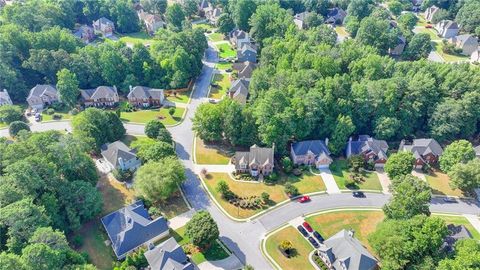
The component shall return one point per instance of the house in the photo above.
(203, 7)
(343, 251)
(258, 161)
(299, 20)
(141, 96)
(475, 57)
(477, 193)
(447, 28)
(417, 5)
(102, 96)
(85, 33)
(5, 98)
(467, 43)
(119, 156)
(455, 233)
(42, 95)
(314, 152)
(399, 47)
(335, 16)
(238, 38)
(104, 27)
(152, 22)
(425, 151)
(239, 91)
(371, 149)
(2, 3)
(244, 69)
(248, 52)
(168, 255)
(131, 227)
(212, 15)
(429, 12)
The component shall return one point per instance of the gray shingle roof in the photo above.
(346, 249)
(317, 147)
(168, 255)
(366, 144)
(42, 89)
(301, 16)
(142, 92)
(422, 147)
(99, 93)
(103, 20)
(477, 150)
(113, 151)
(131, 227)
(245, 69)
(257, 155)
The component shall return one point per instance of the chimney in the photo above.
(326, 141)
(130, 88)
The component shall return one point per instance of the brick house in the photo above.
(371, 149)
(258, 161)
(425, 151)
(104, 27)
(313, 152)
(102, 96)
(141, 96)
(42, 95)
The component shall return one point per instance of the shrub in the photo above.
(74, 111)
(224, 189)
(154, 212)
(122, 175)
(16, 127)
(57, 116)
(291, 189)
(265, 197)
(356, 163)
(285, 245)
(272, 177)
(50, 111)
(10, 113)
(77, 241)
(171, 111)
(287, 164)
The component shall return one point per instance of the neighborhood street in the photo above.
(244, 238)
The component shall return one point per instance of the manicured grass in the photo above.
(3, 125)
(459, 220)
(431, 32)
(215, 37)
(437, 46)
(305, 183)
(223, 82)
(439, 182)
(300, 244)
(340, 173)
(49, 117)
(421, 20)
(138, 37)
(362, 222)
(224, 66)
(211, 154)
(135, 141)
(143, 116)
(180, 97)
(214, 253)
(225, 50)
(202, 26)
(341, 31)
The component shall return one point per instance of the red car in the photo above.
(304, 199)
(307, 226)
(428, 26)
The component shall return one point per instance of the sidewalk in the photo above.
(384, 180)
(474, 221)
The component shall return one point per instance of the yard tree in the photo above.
(352, 24)
(164, 136)
(153, 127)
(343, 130)
(468, 16)
(360, 8)
(399, 164)
(124, 16)
(460, 151)
(323, 34)
(10, 113)
(154, 6)
(225, 23)
(318, 6)
(43, 257)
(158, 180)
(155, 151)
(208, 122)
(377, 33)
(47, 62)
(16, 126)
(241, 11)
(441, 14)
(53, 238)
(395, 7)
(410, 243)
(67, 87)
(465, 177)
(11, 261)
(419, 47)
(411, 197)
(190, 7)
(407, 21)
(269, 20)
(467, 256)
(175, 16)
(202, 229)
(313, 20)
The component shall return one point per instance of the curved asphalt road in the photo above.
(244, 238)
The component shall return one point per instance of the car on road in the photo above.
(302, 230)
(314, 243)
(358, 194)
(307, 226)
(318, 236)
(450, 200)
(304, 199)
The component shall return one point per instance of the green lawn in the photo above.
(180, 97)
(459, 220)
(439, 182)
(431, 32)
(225, 50)
(214, 253)
(437, 46)
(211, 154)
(143, 116)
(223, 82)
(302, 249)
(138, 37)
(49, 117)
(224, 66)
(307, 182)
(341, 31)
(135, 141)
(3, 125)
(204, 26)
(340, 173)
(215, 37)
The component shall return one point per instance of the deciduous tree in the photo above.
(202, 229)
(67, 87)
(465, 177)
(460, 151)
(411, 197)
(399, 164)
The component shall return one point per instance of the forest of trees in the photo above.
(36, 42)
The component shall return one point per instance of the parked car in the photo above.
(318, 236)
(359, 194)
(302, 230)
(304, 199)
(307, 226)
(314, 243)
(428, 26)
(450, 200)
(213, 101)
(38, 117)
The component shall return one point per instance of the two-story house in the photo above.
(313, 152)
(244, 69)
(5, 98)
(102, 96)
(120, 157)
(258, 161)
(371, 149)
(238, 38)
(152, 22)
(447, 28)
(141, 96)
(42, 95)
(467, 43)
(85, 33)
(104, 27)
(248, 52)
(239, 90)
(336, 16)
(213, 15)
(425, 151)
(299, 20)
(430, 12)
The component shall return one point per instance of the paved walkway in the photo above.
(473, 219)
(419, 174)
(230, 263)
(180, 220)
(329, 181)
(384, 180)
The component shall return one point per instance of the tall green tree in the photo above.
(377, 33)
(269, 20)
(155, 151)
(419, 47)
(225, 24)
(202, 229)
(465, 177)
(399, 164)
(67, 87)
(467, 256)
(411, 197)
(342, 131)
(241, 11)
(460, 151)
(10, 113)
(360, 8)
(175, 16)
(468, 16)
(208, 122)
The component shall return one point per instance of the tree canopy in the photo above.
(399, 164)
(202, 229)
(460, 151)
